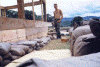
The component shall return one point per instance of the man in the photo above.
(58, 16)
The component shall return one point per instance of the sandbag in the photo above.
(17, 51)
(30, 50)
(8, 57)
(4, 48)
(5, 62)
(42, 44)
(28, 43)
(25, 48)
(37, 47)
(51, 37)
(82, 30)
(15, 57)
(70, 31)
(38, 40)
(91, 60)
(79, 43)
(45, 40)
(1, 59)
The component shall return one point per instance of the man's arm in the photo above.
(54, 14)
(61, 16)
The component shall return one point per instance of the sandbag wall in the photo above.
(12, 30)
(12, 51)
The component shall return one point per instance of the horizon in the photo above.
(70, 8)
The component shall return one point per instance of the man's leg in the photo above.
(58, 30)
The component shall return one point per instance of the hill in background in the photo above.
(67, 21)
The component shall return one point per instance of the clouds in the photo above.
(73, 8)
(70, 8)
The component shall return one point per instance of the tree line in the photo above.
(28, 15)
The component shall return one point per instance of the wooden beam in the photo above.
(1, 7)
(25, 5)
(21, 13)
(30, 4)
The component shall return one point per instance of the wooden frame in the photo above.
(20, 5)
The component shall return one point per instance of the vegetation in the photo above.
(29, 15)
(77, 19)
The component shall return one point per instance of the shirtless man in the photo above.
(58, 16)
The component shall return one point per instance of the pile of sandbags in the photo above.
(5, 55)
(12, 51)
(79, 31)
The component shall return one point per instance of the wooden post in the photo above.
(33, 10)
(41, 9)
(44, 10)
(0, 12)
(3, 12)
(21, 13)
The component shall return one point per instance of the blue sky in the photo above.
(70, 8)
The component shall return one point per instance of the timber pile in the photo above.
(12, 51)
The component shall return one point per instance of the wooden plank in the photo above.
(25, 5)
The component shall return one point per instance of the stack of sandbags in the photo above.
(12, 51)
(79, 31)
(31, 44)
(5, 55)
(41, 42)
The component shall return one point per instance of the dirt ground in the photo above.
(56, 44)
